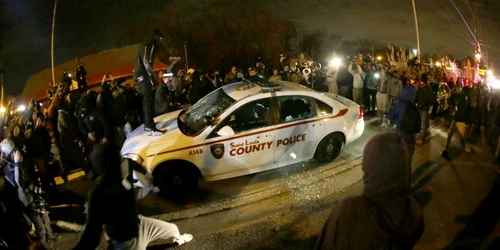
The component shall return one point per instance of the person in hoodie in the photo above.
(396, 116)
(384, 216)
(111, 207)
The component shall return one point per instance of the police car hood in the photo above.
(138, 142)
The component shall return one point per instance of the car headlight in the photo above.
(135, 157)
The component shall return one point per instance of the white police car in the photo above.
(240, 129)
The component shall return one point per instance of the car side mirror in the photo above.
(226, 131)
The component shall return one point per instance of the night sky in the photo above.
(90, 26)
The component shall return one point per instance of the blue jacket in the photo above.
(396, 113)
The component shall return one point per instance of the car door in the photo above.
(298, 129)
(249, 144)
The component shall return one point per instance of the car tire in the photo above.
(329, 148)
(176, 180)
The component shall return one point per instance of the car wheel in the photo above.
(176, 180)
(329, 148)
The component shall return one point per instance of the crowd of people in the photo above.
(88, 125)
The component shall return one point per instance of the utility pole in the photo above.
(416, 27)
(52, 42)
(474, 5)
(186, 55)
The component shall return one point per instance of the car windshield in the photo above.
(210, 106)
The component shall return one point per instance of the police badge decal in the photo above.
(217, 150)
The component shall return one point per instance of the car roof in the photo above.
(245, 88)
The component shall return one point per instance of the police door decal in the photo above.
(217, 150)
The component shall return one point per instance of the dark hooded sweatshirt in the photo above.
(384, 216)
(109, 203)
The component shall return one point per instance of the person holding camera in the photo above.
(165, 99)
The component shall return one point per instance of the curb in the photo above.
(282, 187)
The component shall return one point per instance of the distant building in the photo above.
(120, 63)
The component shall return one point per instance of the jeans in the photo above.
(457, 127)
(42, 225)
(357, 96)
(146, 91)
(149, 231)
(381, 106)
(372, 99)
(424, 116)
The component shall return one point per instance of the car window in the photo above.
(295, 108)
(253, 115)
(323, 108)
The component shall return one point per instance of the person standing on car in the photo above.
(385, 216)
(146, 79)
(111, 206)
(425, 99)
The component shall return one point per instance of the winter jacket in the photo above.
(358, 76)
(395, 88)
(463, 106)
(344, 78)
(425, 97)
(397, 112)
(148, 51)
(163, 100)
(95, 122)
(372, 82)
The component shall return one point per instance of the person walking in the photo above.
(404, 114)
(459, 124)
(425, 99)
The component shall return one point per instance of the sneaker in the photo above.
(153, 132)
(185, 238)
(445, 155)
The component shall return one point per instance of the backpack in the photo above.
(411, 122)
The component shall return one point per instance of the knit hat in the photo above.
(386, 165)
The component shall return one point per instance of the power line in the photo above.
(463, 19)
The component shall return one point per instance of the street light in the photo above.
(379, 58)
(415, 51)
(438, 64)
(335, 62)
(21, 108)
